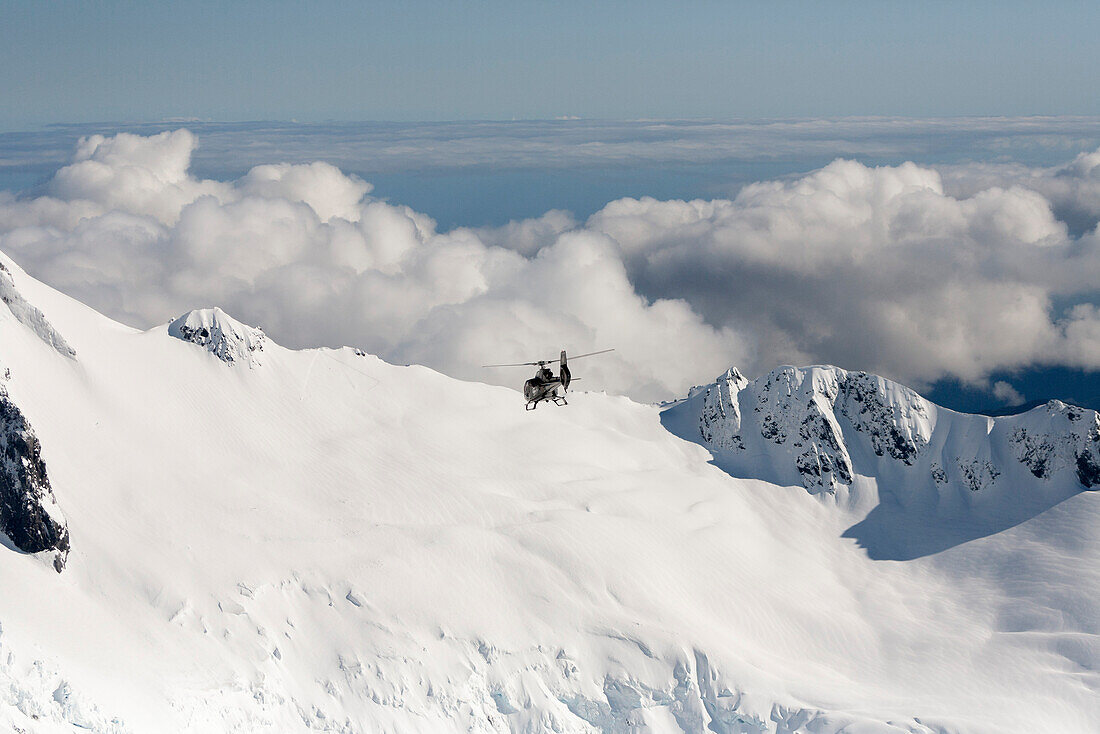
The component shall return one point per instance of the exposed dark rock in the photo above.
(720, 419)
(713, 413)
(25, 493)
(769, 429)
(814, 417)
(862, 402)
(220, 334)
(819, 431)
(1035, 452)
(977, 474)
(1088, 463)
(1088, 470)
(822, 469)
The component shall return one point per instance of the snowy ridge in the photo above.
(1057, 438)
(30, 316)
(220, 334)
(805, 425)
(338, 544)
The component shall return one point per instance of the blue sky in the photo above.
(421, 60)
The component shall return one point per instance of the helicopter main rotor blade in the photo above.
(591, 354)
(519, 364)
(541, 362)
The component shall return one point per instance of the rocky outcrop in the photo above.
(220, 334)
(1059, 437)
(802, 414)
(720, 422)
(894, 419)
(29, 515)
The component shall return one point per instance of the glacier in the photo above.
(322, 541)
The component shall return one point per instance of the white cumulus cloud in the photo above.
(872, 268)
(1007, 394)
(895, 269)
(302, 251)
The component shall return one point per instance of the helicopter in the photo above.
(544, 385)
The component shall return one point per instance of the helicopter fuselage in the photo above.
(541, 388)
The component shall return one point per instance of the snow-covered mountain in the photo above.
(261, 539)
(872, 443)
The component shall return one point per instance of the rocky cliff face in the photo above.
(1057, 439)
(821, 427)
(29, 515)
(220, 334)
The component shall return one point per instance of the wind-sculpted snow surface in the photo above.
(332, 543)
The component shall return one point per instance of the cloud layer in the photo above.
(303, 251)
(877, 268)
(388, 148)
(899, 270)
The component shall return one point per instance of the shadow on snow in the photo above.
(897, 528)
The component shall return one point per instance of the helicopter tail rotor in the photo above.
(564, 373)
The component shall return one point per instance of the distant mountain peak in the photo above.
(220, 334)
(822, 426)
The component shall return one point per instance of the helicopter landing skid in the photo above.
(556, 400)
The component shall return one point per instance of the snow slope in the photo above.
(323, 541)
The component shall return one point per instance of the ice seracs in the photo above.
(222, 335)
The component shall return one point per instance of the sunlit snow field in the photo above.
(327, 541)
